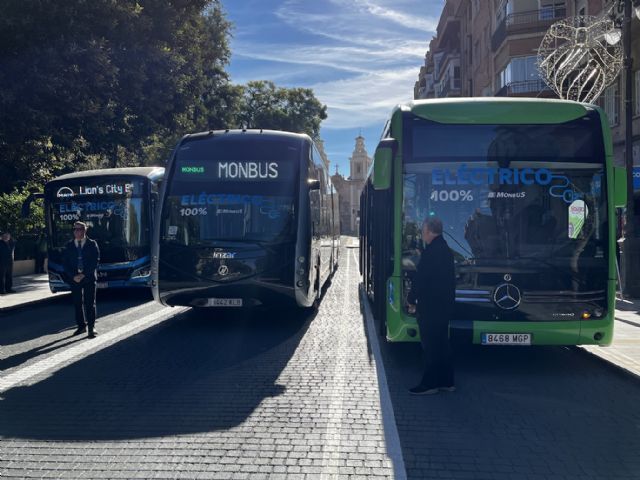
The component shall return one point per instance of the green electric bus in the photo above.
(527, 191)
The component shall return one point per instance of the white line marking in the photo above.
(392, 437)
(86, 348)
(332, 439)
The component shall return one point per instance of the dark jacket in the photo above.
(6, 252)
(434, 285)
(90, 260)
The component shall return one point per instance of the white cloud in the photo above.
(366, 99)
(352, 59)
(404, 19)
(373, 49)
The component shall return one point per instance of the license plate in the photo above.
(224, 302)
(506, 339)
(102, 285)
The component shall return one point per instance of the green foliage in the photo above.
(92, 81)
(10, 214)
(102, 83)
(263, 105)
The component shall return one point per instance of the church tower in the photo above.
(360, 161)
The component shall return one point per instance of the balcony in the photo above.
(534, 21)
(449, 57)
(449, 86)
(523, 88)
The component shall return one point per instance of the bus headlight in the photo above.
(586, 315)
(54, 277)
(141, 272)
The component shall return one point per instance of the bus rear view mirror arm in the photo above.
(26, 205)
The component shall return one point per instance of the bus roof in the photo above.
(251, 132)
(486, 110)
(148, 172)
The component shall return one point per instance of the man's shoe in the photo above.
(420, 390)
(92, 334)
(79, 330)
(452, 388)
(11, 291)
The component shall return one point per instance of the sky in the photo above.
(361, 57)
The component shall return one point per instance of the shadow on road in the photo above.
(58, 318)
(543, 412)
(195, 372)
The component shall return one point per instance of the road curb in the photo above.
(30, 303)
(609, 362)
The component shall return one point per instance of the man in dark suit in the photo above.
(81, 257)
(433, 290)
(7, 248)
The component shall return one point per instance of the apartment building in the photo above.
(489, 48)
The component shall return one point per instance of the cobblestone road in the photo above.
(283, 395)
(519, 413)
(170, 393)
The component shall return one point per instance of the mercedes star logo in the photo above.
(223, 270)
(507, 296)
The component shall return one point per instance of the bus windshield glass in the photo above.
(510, 194)
(113, 209)
(233, 188)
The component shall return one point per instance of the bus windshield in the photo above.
(232, 188)
(113, 209)
(510, 194)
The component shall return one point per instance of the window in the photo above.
(611, 104)
(521, 71)
(551, 9)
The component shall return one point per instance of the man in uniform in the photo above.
(7, 248)
(81, 257)
(433, 290)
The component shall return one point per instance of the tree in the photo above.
(264, 105)
(91, 81)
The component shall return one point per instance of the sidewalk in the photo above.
(30, 289)
(624, 352)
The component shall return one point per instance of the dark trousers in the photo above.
(438, 358)
(6, 277)
(84, 301)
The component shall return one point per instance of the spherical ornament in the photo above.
(581, 56)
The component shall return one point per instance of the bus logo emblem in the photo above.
(64, 192)
(507, 296)
(223, 270)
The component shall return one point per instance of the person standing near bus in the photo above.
(81, 257)
(7, 248)
(433, 290)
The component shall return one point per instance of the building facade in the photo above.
(349, 188)
(489, 48)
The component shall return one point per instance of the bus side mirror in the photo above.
(620, 187)
(383, 163)
(26, 205)
(314, 184)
